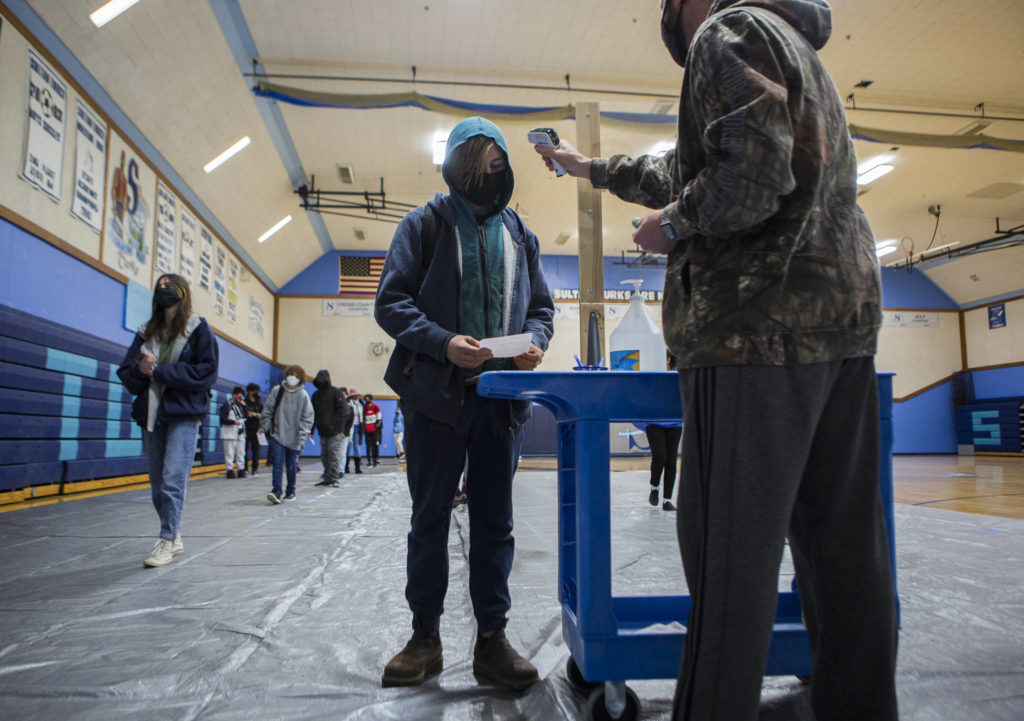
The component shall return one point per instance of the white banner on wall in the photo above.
(187, 236)
(256, 315)
(232, 288)
(909, 319)
(205, 259)
(90, 166)
(166, 229)
(47, 111)
(348, 308)
(219, 279)
(128, 231)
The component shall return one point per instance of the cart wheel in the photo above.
(576, 676)
(597, 711)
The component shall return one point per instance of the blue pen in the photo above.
(579, 363)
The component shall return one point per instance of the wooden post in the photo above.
(591, 241)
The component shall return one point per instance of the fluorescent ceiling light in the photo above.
(108, 12)
(871, 170)
(277, 226)
(227, 154)
(874, 174)
(440, 147)
(661, 147)
(885, 247)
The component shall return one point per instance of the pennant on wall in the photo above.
(359, 275)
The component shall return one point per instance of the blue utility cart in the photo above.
(606, 634)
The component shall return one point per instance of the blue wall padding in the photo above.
(991, 426)
(22, 426)
(84, 470)
(29, 474)
(49, 404)
(998, 383)
(924, 423)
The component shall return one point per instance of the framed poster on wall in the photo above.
(128, 227)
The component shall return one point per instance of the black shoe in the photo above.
(322, 482)
(333, 484)
(289, 496)
(668, 506)
(653, 498)
(420, 658)
(274, 498)
(496, 662)
(242, 474)
(230, 474)
(358, 470)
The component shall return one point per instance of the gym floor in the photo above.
(291, 611)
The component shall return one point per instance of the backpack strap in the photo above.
(428, 240)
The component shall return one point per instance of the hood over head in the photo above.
(811, 18)
(462, 132)
(323, 379)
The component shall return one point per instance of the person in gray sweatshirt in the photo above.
(287, 421)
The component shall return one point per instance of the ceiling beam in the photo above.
(243, 48)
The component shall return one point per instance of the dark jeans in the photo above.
(664, 442)
(771, 452)
(284, 459)
(373, 445)
(436, 454)
(252, 441)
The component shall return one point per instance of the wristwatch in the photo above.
(667, 229)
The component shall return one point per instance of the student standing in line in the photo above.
(356, 439)
(232, 434)
(329, 410)
(287, 421)
(372, 429)
(476, 275)
(253, 411)
(347, 422)
(170, 368)
(398, 431)
(772, 308)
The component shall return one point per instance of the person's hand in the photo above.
(651, 237)
(465, 352)
(574, 162)
(147, 361)
(530, 359)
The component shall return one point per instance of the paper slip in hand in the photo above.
(508, 346)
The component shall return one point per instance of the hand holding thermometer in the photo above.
(549, 139)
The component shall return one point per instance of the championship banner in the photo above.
(187, 236)
(205, 259)
(219, 279)
(348, 308)
(47, 110)
(90, 166)
(232, 287)
(166, 229)
(256, 315)
(128, 230)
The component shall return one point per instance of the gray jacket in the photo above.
(293, 423)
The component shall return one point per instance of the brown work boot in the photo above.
(496, 662)
(420, 658)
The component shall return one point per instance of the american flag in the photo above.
(359, 274)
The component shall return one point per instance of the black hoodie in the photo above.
(331, 412)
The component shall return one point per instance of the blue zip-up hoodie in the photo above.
(419, 298)
(187, 378)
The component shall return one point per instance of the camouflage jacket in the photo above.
(776, 261)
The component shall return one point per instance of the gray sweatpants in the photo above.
(771, 452)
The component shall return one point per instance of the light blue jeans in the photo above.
(170, 450)
(284, 459)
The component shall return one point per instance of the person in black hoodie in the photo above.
(253, 411)
(330, 413)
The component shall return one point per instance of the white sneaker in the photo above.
(177, 547)
(162, 554)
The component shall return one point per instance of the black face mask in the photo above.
(488, 193)
(166, 297)
(674, 42)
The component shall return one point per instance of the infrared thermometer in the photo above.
(549, 139)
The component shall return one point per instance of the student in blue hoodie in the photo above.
(461, 269)
(170, 368)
